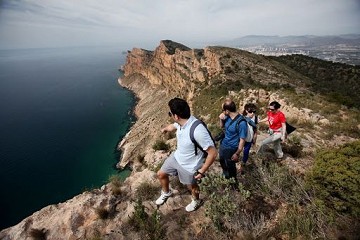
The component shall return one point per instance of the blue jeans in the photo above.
(246, 151)
(228, 166)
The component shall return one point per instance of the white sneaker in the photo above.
(195, 204)
(163, 197)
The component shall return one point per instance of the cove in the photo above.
(62, 113)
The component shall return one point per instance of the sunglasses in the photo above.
(251, 111)
(272, 109)
(170, 114)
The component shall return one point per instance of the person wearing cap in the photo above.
(277, 129)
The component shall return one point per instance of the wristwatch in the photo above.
(197, 173)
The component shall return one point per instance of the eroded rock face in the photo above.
(173, 66)
(157, 76)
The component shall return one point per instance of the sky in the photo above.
(143, 23)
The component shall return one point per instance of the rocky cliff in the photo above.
(176, 70)
(203, 77)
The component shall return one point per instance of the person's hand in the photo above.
(222, 116)
(198, 175)
(235, 157)
(282, 138)
(163, 130)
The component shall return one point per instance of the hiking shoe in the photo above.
(195, 204)
(163, 197)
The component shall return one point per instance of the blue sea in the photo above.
(62, 113)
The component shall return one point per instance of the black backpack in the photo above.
(289, 128)
(196, 144)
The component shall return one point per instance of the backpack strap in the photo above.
(248, 120)
(240, 119)
(234, 120)
(192, 130)
(251, 122)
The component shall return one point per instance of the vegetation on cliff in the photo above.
(337, 81)
(276, 199)
(312, 193)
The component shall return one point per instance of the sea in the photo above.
(62, 114)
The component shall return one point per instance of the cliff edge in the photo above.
(204, 77)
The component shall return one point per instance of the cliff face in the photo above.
(155, 77)
(173, 66)
(173, 69)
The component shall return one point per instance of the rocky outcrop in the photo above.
(172, 69)
(173, 66)
(87, 216)
(157, 76)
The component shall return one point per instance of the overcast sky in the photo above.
(143, 23)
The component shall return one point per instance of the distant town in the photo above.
(336, 53)
(341, 48)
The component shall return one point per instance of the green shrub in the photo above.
(115, 184)
(139, 217)
(302, 222)
(161, 145)
(276, 180)
(146, 191)
(335, 178)
(149, 226)
(222, 202)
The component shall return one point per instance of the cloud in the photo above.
(67, 22)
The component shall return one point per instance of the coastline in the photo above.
(151, 114)
(62, 133)
(134, 117)
(64, 211)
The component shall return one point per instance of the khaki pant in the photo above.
(275, 138)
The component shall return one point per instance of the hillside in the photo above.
(285, 199)
(338, 82)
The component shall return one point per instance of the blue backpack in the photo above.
(240, 118)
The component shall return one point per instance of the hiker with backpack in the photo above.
(187, 162)
(235, 127)
(277, 129)
(252, 120)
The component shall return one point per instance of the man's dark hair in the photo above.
(230, 106)
(179, 107)
(275, 104)
(249, 107)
